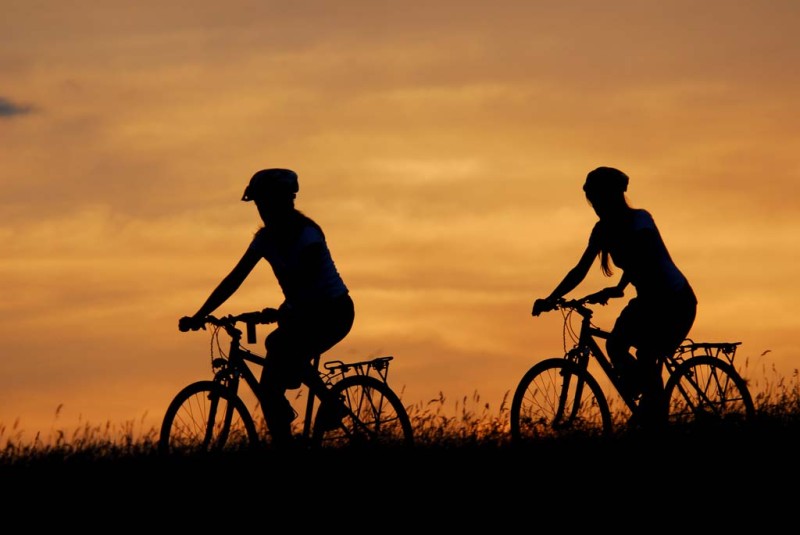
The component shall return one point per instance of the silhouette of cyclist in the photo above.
(659, 317)
(317, 311)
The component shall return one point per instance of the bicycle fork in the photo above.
(231, 385)
(579, 356)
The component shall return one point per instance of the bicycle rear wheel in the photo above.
(556, 398)
(374, 416)
(206, 416)
(706, 390)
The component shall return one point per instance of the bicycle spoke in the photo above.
(556, 398)
(705, 389)
(375, 416)
(203, 417)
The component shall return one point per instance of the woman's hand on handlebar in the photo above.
(191, 323)
(268, 315)
(550, 303)
(195, 323)
(604, 295)
(543, 305)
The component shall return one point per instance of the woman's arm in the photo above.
(223, 291)
(605, 294)
(573, 278)
(230, 283)
(575, 275)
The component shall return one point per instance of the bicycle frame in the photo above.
(560, 395)
(587, 347)
(231, 370)
(348, 404)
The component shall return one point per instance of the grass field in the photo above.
(465, 424)
(463, 474)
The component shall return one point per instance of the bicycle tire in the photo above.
(705, 390)
(205, 416)
(557, 398)
(376, 417)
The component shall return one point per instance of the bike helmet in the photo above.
(270, 181)
(606, 180)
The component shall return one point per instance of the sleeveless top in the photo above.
(636, 247)
(304, 279)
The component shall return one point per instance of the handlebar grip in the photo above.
(251, 332)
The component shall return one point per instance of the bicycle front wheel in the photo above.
(374, 416)
(706, 390)
(556, 398)
(206, 416)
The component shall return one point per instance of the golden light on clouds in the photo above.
(441, 146)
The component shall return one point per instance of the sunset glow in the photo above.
(441, 145)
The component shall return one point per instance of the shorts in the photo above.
(301, 336)
(656, 327)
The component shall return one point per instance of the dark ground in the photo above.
(737, 479)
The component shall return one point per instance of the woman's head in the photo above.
(271, 183)
(605, 181)
(273, 191)
(605, 190)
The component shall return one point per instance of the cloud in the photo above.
(9, 109)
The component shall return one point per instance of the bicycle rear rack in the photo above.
(720, 350)
(378, 366)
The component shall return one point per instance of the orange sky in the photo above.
(441, 145)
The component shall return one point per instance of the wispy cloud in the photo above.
(9, 109)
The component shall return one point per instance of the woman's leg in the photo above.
(618, 346)
(670, 323)
(277, 376)
(291, 349)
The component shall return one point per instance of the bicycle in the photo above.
(211, 415)
(560, 395)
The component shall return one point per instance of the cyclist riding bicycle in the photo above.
(659, 317)
(317, 311)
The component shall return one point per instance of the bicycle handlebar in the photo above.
(579, 302)
(267, 315)
(578, 305)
